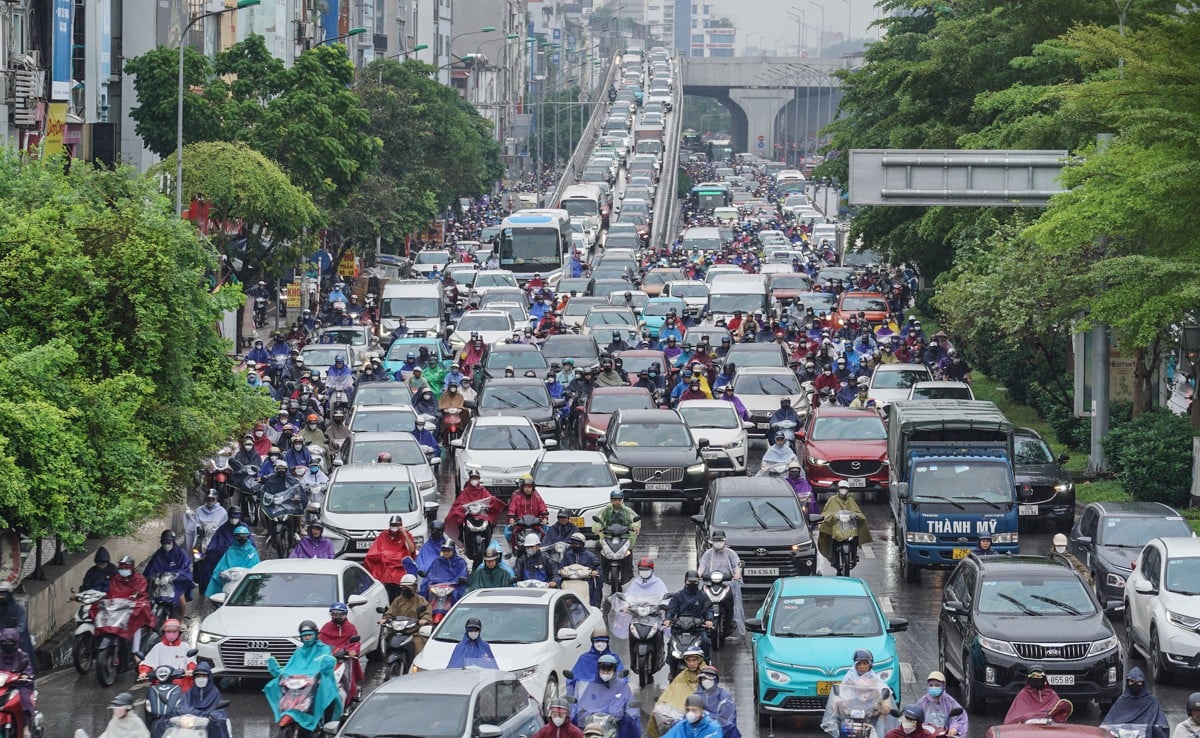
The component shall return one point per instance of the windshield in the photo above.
(756, 512)
(710, 417)
(516, 359)
(789, 282)
(432, 257)
(816, 617)
(411, 307)
(665, 435)
(664, 307)
(865, 428)
(634, 363)
(495, 279)
(747, 303)
(696, 243)
(1137, 532)
(580, 207)
(963, 393)
(528, 249)
(404, 452)
(573, 349)
(766, 384)
(369, 497)
(428, 715)
(609, 317)
(1032, 451)
(384, 420)
(402, 348)
(285, 590)
(380, 393)
(689, 289)
(576, 474)
(504, 623)
(344, 335)
(471, 322)
(1183, 576)
(633, 206)
(866, 304)
(820, 302)
(504, 438)
(977, 481)
(610, 402)
(901, 379)
(1035, 595)
(515, 311)
(322, 357)
(514, 398)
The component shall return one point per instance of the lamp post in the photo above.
(352, 32)
(455, 37)
(179, 97)
(821, 32)
(413, 50)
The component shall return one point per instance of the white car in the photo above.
(940, 390)
(366, 446)
(1162, 607)
(718, 422)
(362, 498)
(490, 279)
(361, 337)
(501, 448)
(760, 388)
(261, 617)
(427, 261)
(534, 633)
(893, 382)
(574, 480)
(492, 326)
(602, 320)
(321, 356)
(382, 419)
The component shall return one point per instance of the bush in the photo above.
(1152, 457)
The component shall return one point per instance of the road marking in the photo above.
(867, 552)
(885, 604)
(906, 673)
(652, 552)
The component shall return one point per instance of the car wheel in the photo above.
(970, 694)
(911, 572)
(551, 693)
(1158, 667)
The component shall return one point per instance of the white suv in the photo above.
(1162, 606)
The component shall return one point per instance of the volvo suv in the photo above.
(655, 451)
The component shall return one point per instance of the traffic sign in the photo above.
(761, 144)
(762, 138)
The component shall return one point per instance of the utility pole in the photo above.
(1098, 462)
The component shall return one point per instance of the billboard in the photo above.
(60, 63)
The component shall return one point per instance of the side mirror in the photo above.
(550, 443)
(355, 639)
(1063, 458)
(1083, 540)
(457, 443)
(487, 730)
(1145, 587)
(469, 404)
(954, 607)
(755, 625)
(897, 625)
(815, 518)
(702, 443)
(623, 482)
(559, 401)
(1114, 606)
(566, 634)
(595, 518)
(568, 674)
(356, 600)
(956, 712)
(698, 519)
(192, 652)
(435, 461)
(901, 490)
(425, 631)
(427, 450)
(218, 598)
(381, 610)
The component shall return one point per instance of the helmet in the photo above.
(559, 703)
(863, 654)
(126, 700)
(235, 512)
(646, 563)
(607, 660)
(172, 623)
(384, 458)
(526, 480)
(339, 607)
(473, 624)
(240, 531)
(593, 729)
(577, 537)
(710, 670)
(437, 526)
(616, 494)
(1060, 539)
(843, 484)
(694, 700)
(129, 561)
(312, 417)
(600, 632)
(316, 523)
(717, 535)
(531, 539)
(408, 580)
(492, 554)
(795, 465)
(168, 536)
(1193, 702)
(692, 577)
(308, 625)
(693, 650)
(914, 712)
(396, 520)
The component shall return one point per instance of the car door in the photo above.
(516, 713)
(1083, 538)
(356, 581)
(569, 612)
(1141, 607)
(957, 627)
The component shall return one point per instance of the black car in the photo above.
(764, 523)
(1003, 614)
(1044, 490)
(654, 449)
(522, 396)
(1109, 535)
(575, 286)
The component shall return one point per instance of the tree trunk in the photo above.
(1141, 383)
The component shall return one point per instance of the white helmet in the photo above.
(408, 580)
(531, 539)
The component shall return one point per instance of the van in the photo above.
(823, 232)
(422, 304)
(731, 292)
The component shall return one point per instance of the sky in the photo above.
(765, 23)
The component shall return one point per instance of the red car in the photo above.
(600, 407)
(844, 443)
(873, 305)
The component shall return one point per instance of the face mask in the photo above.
(258, 434)
(531, 550)
(248, 446)
(211, 505)
(1060, 549)
(600, 644)
(827, 372)
(125, 572)
(606, 676)
(200, 681)
(908, 725)
(645, 573)
(1136, 688)
(166, 547)
(312, 426)
(692, 717)
(453, 390)
(843, 492)
(719, 546)
(707, 682)
(936, 692)
(558, 720)
(474, 482)
(1037, 683)
(394, 528)
(691, 586)
(8, 647)
(473, 635)
(170, 637)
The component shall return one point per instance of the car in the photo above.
(602, 320)
(728, 445)
(382, 393)
(361, 337)
(1001, 614)
(365, 447)
(260, 617)
(746, 355)
(400, 348)
(799, 650)
(892, 382)
(490, 279)
(761, 388)
(516, 310)
(1162, 617)
(601, 404)
(656, 452)
(525, 397)
(844, 443)
(385, 418)
(788, 286)
(654, 314)
(941, 390)
(715, 334)
(501, 449)
(1045, 491)
(693, 293)
(580, 349)
(359, 501)
(873, 306)
(537, 634)
(447, 703)
(496, 295)
(1108, 536)
(321, 356)
(575, 286)
(578, 306)
(828, 275)
(605, 287)
(492, 326)
(764, 523)
(520, 356)
(575, 480)
(822, 304)
(429, 260)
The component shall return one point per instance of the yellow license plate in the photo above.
(577, 522)
(961, 553)
(823, 688)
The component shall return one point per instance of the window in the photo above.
(562, 618)
(356, 581)
(511, 699)
(968, 586)
(487, 709)
(1152, 565)
(576, 612)
(380, 17)
(1087, 525)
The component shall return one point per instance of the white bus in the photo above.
(535, 242)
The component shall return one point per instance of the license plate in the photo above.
(762, 426)
(857, 481)
(363, 545)
(662, 486)
(577, 522)
(762, 571)
(961, 553)
(255, 658)
(1027, 509)
(824, 688)
(1061, 680)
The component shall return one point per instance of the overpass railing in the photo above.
(583, 148)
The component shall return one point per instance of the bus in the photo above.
(711, 195)
(719, 149)
(584, 201)
(534, 242)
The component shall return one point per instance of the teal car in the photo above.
(804, 638)
(654, 314)
(402, 347)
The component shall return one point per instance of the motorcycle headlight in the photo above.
(696, 468)
(206, 637)
(1177, 618)
(1005, 538)
(993, 644)
(778, 676)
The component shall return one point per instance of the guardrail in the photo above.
(583, 148)
(665, 199)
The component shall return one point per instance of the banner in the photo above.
(347, 266)
(293, 295)
(56, 128)
(60, 68)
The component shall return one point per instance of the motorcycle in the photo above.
(520, 526)
(859, 711)
(577, 578)
(83, 643)
(163, 601)
(646, 652)
(720, 595)
(845, 542)
(12, 715)
(477, 530)
(937, 722)
(219, 474)
(260, 311)
(163, 695)
(114, 652)
(399, 644)
(1124, 730)
(282, 512)
(452, 426)
(248, 487)
(685, 634)
(778, 470)
(788, 428)
(344, 673)
(441, 599)
(614, 550)
(297, 692)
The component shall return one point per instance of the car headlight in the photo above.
(993, 644)
(1115, 580)
(1065, 487)
(593, 431)
(1005, 538)
(778, 676)
(470, 465)
(427, 484)
(525, 673)
(817, 462)
(546, 425)
(914, 537)
(1104, 645)
(618, 469)
(696, 468)
(802, 546)
(1183, 621)
(206, 637)
(733, 444)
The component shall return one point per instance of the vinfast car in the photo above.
(654, 314)
(575, 480)
(238, 637)
(717, 421)
(802, 638)
(400, 348)
(844, 443)
(602, 403)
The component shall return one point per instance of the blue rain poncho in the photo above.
(243, 555)
(312, 659)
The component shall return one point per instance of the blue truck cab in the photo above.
(950, 481)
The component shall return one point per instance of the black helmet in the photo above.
(717, 535)
(863, 654)
(1193, 702)
(694, 700)
(437, 526)
(473, 624)
(396, 520)
(126, 560)
(168, 536)
(914, 712)
(692, 577)
(308, 625)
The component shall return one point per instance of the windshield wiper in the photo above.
(948, 501)
(839, 634)
(506, 402)
(977, 498)
(754, 512)
(1057, 603)
(385, 499)
(790, 524)
(1024, 608)
(534, 401)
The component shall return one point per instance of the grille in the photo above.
(1037, 493)
(803, 703)
(232, 650)
(1052, 651)
(669, 474)
(846, 468)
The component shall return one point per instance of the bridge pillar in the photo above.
(761, 106)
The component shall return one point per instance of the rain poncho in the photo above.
(1142, 709)
(608, 698)
(777, 455)
(825, 530)
(222, 539)
(238, 555)
(1037, 704)
(705, 727)
(177, 561)
(446, 571)
(311, 659)
(18, 662)
(585, 669)
(472, 653)
(431, 549)
(720, 707)
(727, 562)
(458, 510)
(860, 697)
(313, 548)
(485, 578)
(670, 704)
(134, 588)
(205, 702)
(937, 712)
(129, 726)
(385, 559)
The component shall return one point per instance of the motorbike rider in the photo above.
(247, 457)
(474, 491)
(577, 553)
(425, 431)
(336, 429)
(314, 545)
(799, 484)
(785, 413)
(447, 568)
(311, 433)
(312, 659)
(562, 529)
(297, 453)
(1137, 706)
(526, 501)
(861, 397)
(691, 602)
(684, 685)
(426, 404)
(646, 584)
(409, 604)
(938, 704)
(719, 705)
(241, 553)
(204, 700)
(16, 661)
(985, 546)
(337, 634)
(472, 650)
(738, 407)
(1190, 728)
(535, 563)
(585, 667)
(13, 614)
(490, 573)
(617, 343)
(171, 651)
(218, 544)
(836, 503)
(386, 559)
(608, 376)
(431, 549)
(725, 560)
(124, 722)
(1037, 702)
(1058, 548)
(560, 725)
(172, 559)
(616, 513)
(780, 453)
(697, 723)
(100, 573)
(610, 695)
(912, 723)
(129, 584)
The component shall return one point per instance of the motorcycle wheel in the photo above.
(250, 510)
(397, 668)
(279, 543)
(718, 640)
(106, 665)
(83, 652)
(288, 731)
(644, 676)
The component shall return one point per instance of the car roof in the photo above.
(791, 586)
(836, 411)
(365, 409)
(900, 368)
(1181, 546)
(1134, 509)
(372, 473)
(762, 370)
(486, 313)
(443, 681)
(383, 436)
(511, 382)
(307, 566)
(516, 348)
(512, 595)
(1024, 562)
(707, 403)
(941, 383)
(751, 487)
(624, 389)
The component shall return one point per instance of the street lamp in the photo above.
(485, 29)
(413, 50)
(821, 32)
(353, 32)
(179, 97)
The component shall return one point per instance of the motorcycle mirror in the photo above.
(956, 712)
(381, 610)
(894, 712)
(192, 652)
(568, 674)
(421, 610)
(596, 518)
(355, 639)
(698, 519)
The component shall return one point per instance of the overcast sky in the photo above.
(765, 23)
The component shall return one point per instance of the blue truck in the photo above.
(950, 481)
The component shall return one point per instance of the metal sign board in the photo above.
(954, 177)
